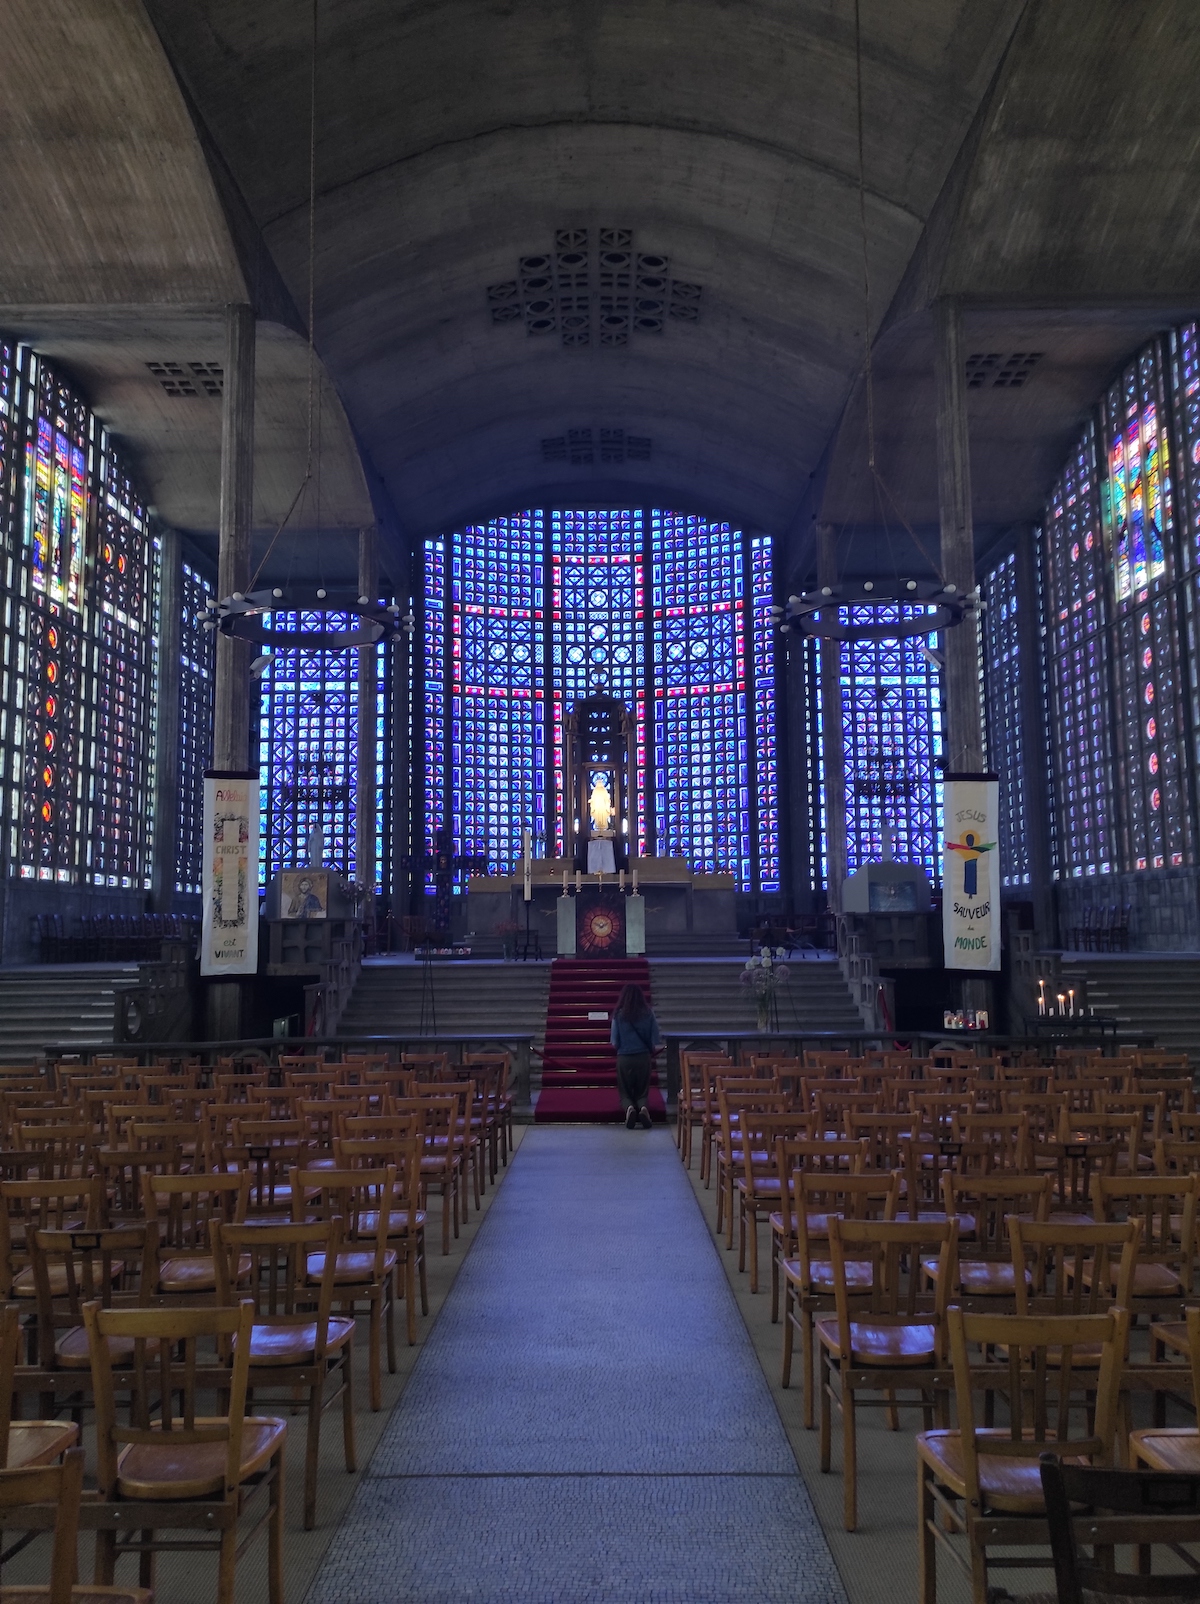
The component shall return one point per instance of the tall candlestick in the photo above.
(564, 882)
(621, 880)
(527, 863)
(578, 881)
(635, 890)
(1061, 1001)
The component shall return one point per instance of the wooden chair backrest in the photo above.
(990, 1199)
(1166, 1206)
(91, 1265)
(1037, 1374)
(884, 1134)
(1176, 1158)
(1070, 1262)
(861, 1196)
(185, 1208)
(59, 1485)
(176, 1334)
(278, 1283)
(360, 1198)
(1006, 1135)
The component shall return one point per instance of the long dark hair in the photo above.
(632, 1005)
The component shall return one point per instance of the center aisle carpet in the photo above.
(588, 1420)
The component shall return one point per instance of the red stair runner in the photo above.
(579, 1073)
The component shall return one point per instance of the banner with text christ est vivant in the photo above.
(229, 935)
(971, 871)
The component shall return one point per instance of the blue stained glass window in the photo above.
(497, 691)
(1077, 652)
(598, 629)
(892, 735)
(766, 760)
(434, 664)
(700, 735)
(196, 663)
(1003, 666)
(309, 734)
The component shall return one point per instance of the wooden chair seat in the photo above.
(768, 1184)
(195, 1470)
(818, 1224)
(88, 1593)
(966, 1222)
(39, 1442)
(983, 1278)
(71, 1350)
(872, 1344)
(1167, 1448)
(858, 1273)
(195, 1273)
(351, 1267)
(23, 1283)
(1008, 1483)
(397, 1221)
(296, 1345)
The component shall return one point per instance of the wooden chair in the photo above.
(440, 1160)
(984, 1272)
(792, 1156)
(887, 1338)
(266, 1151)
(689, 1106)
(364, 1266)
(184, 1471)
(405, 1218)
(1105, 1509)
(808, 1278)
(1173, 1448)
(734, 1106)
(25, 1443)
(296, 1342)
(50, 1204)
(983, 1483)
(759, 1187)
(1166, 1206)
(185, 1208)
(49, 1497)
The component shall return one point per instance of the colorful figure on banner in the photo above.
(972, 850)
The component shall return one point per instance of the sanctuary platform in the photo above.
(678, 902)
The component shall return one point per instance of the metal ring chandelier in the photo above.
(816, 612)
(246, 618)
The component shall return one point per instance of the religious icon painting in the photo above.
(304, 894)
(601, 929)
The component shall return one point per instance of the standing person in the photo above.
(636, 1037)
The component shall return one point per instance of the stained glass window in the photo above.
(1137, 508)
(497, 689)
(1078, 668)
(701, 741)
(308, 745)
(598, 588)
(196, 667)
(892, 734)
(654, 607)
(122, 630)
(1003, 667)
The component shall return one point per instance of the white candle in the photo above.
(578, 881)
(564, 882)
(1071, 995)
(620, 879)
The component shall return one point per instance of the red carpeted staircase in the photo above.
(579, 1068)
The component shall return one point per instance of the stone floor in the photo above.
(588, 1420)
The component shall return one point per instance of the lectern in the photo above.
(600, 799)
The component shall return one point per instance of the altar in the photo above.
(675, 900)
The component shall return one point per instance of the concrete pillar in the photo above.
(833, 745)
(231, 712)
(960, 677)
(166, 756)
(231, 727)
(368, 691)
(961, 709)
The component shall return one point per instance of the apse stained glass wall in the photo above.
(892, 733)
(196, 666)
(308, 752)
(1003, 666)
(598, 589)
(668, 611)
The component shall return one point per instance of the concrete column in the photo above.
(166, 756)
(368, 691)
(231, 727)
(833, 745)
(961, 709)
(231, 711)
(960, 677)
(1034, 744)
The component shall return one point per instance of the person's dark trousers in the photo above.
(633, 1079)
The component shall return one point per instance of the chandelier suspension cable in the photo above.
(312, 255)
(866, 265)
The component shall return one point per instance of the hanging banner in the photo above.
(971, 871)
(229, 936)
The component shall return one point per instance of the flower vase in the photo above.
(764, 1013)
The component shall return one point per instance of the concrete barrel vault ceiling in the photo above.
(1036, 158)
